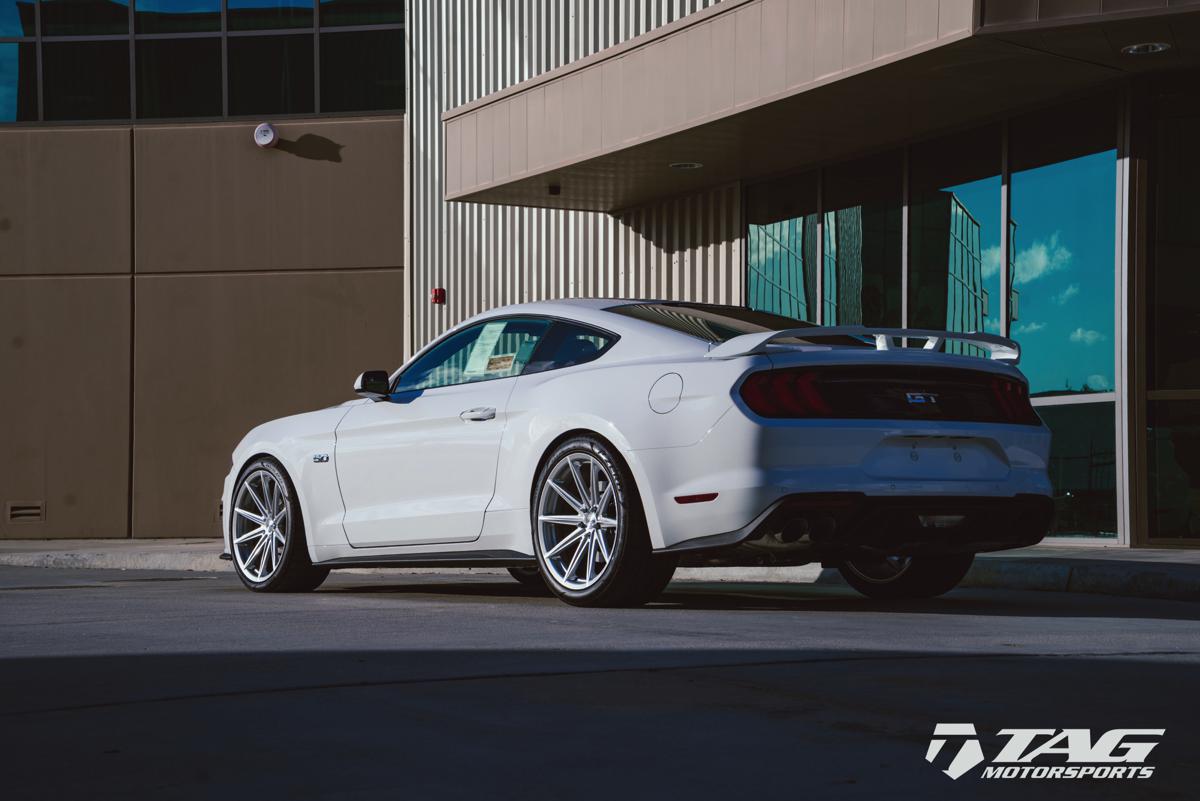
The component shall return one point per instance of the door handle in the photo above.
(479, 413)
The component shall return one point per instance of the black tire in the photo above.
(662, 568)
(293, 571)
(920, 576)
(531, 577)
(631, 576)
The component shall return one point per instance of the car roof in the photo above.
(596, 312)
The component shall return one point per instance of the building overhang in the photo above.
(751, 88)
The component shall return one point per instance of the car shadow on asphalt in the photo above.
(814, 598)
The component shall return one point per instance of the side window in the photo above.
(569, 344)
(495, 349)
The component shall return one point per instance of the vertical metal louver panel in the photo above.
(485, 256)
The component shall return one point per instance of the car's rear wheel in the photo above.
(898, 577)
(267, 532)
(589, 531)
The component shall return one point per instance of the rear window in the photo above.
(716, 324)
(710, 322)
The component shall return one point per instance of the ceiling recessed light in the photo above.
(685, 165)
(1145, 48)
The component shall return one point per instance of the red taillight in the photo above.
(1013, 399)
(784, 393)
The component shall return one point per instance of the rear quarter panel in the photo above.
(614, 402)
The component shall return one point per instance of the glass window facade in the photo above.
(177, 16)
(360, 12)
(862, 236)
(1083, 468)
(826, 246)
(84, 17)
(781, 248)
(178, 78)
(362, 70)
(1043, 271)
(954, 234)
(1063, 228)
(1063, 245)
(17, 18)
(270, 75)
(198, 59)
(258, 15)
(18, 82)
(1173, 462)
(1172, 319)
(86, 80)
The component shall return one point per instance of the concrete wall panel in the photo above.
(64, 409)
(699, 61)
(218, 354)
(64, 201)
(858, 32)
(954, 17)
(920, 22)
(773, 75)
(827, 37)
(748, 52)
(722, 63)
(801, 24)
(330, 195)
(890, 21)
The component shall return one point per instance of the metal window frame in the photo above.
(224, 33)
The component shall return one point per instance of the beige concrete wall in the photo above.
(713, 64)
(64, 201)
(64, 404)
(243, 284)
(218, 354)
(330, 195)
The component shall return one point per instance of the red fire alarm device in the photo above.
(437, 295)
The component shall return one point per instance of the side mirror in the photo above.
(373, 384)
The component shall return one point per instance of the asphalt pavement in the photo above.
(165, 685)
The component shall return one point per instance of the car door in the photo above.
(420, 466)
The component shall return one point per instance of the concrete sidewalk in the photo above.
(1139, 573)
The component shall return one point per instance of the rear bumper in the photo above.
(832, 526)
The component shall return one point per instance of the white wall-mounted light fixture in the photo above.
(265, 135)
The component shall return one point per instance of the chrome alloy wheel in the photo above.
(880, 571)
(579, 521)
(260, 525)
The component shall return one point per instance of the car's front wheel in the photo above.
(267, 532)
(589, 531)
(530, 577)
(898, 577)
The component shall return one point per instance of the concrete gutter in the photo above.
(1136, 573)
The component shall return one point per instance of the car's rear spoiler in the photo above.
(997, 347)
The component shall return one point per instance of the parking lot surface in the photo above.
(139, 684)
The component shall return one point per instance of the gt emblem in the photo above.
(921, 397)
(320, 458)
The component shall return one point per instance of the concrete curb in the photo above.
(1108, 574)
(1172, 582)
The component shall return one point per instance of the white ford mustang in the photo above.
(591, 446)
